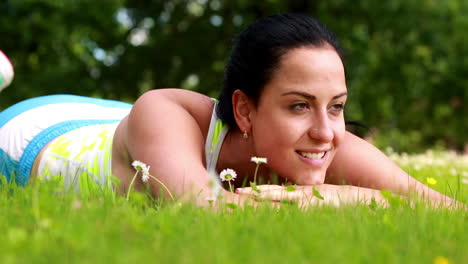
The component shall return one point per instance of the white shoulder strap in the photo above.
(216, 134)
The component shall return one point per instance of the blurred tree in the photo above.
(407, 68)
(52, 45)
(406, 60)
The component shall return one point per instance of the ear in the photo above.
(243, 109)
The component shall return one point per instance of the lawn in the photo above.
(38, 225)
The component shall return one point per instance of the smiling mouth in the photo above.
(310, 155)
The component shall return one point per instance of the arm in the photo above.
(163, 134)
(359, 163)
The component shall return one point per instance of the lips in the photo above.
(312, 155)
(315, 159)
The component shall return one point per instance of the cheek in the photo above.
(274, 136)
(339, 131)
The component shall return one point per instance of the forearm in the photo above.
(339, 195)
(361, 164)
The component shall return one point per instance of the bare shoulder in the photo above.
(196, 104)
(166, 126)
(162, 110)
(176, 105)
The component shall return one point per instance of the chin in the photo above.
(312, 179)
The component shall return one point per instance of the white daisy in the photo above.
(258, 160)
(145, 177)
(228, 175)
(146, 170)
(140, 166)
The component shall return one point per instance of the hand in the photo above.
(245, 199)
(323, 194)
(304, 195)
(276, 192)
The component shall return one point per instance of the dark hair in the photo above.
(256, 53)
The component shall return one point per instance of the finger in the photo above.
(265, 187)
(281, 195)
(244, 190)
(270, 187)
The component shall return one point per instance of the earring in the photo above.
(246, 136)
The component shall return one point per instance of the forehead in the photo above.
(309, 69)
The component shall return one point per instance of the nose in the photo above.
(321, 129)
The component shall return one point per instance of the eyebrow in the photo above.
(310, 96)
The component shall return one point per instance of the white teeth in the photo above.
(313, 155)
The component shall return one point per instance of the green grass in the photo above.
(40, 226)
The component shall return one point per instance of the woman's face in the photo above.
(298, 123)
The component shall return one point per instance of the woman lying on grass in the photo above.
(283, 99)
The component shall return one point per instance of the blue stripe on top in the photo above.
(18, 108)
(21, 169)
(7, 165)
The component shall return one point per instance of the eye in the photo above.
(299, 107)
(337, 108)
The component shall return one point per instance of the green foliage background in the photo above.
(406, 60)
